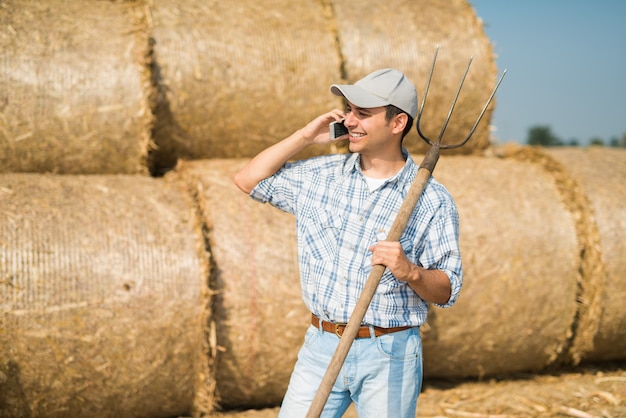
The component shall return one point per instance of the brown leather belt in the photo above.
(364, 331)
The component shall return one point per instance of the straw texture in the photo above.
(591, 267)
(102, 292)
(105, 303)
(520, 255)
(601, 174)
(132, 87)
(233, 79)
(258, 313)
(520, 240)
(73, 87)
(236, 77)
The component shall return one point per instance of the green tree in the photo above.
(596, 141)
(542, 135)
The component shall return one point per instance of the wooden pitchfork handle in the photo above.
(397, 229)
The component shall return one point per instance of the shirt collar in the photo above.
(403, 177)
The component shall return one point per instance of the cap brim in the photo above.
(357, 96)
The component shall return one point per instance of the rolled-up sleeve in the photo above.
(278, 189)
(442, 251)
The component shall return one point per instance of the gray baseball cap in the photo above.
(380, 88)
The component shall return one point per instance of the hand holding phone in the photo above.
(337, 130)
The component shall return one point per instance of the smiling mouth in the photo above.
(356, 135)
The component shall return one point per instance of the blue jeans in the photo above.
(381, 375)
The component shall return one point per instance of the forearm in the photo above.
(269, 161)
(431, 285)
(273, 158)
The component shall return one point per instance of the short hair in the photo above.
(392, 111)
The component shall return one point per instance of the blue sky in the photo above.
(566, 67)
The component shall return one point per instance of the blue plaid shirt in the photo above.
(338, 218)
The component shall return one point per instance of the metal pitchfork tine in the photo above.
(397, 229)
(438, 143)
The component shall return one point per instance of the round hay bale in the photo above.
(102, 297)
(519, 299)
(258, 313)
(234, 79)
(403, 34)
(73, 96)
(521, 259)
(591, 279)
(237, 77)
(601, 174)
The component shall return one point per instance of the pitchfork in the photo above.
(397, 229)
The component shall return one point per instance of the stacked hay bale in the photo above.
(529, 292)
(73, 88)
(543, 286)
(98, 275)
(521, 260)
(85, 273)
(196, 80)
(591, 279)
(600, 174)
(568, 286)
(104, 283)
(234, 79)
(258, 315)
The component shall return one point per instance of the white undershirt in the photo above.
(373, 183)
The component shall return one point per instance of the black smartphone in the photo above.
(337, 129)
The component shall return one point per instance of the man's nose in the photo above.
(349, 120)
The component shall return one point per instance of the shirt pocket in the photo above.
(321, 233)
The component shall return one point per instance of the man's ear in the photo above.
(399, 122)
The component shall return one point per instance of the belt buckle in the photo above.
(337, 333)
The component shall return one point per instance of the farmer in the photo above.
(345, 206)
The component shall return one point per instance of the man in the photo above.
(344, 207)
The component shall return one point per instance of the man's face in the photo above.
(369, 130)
